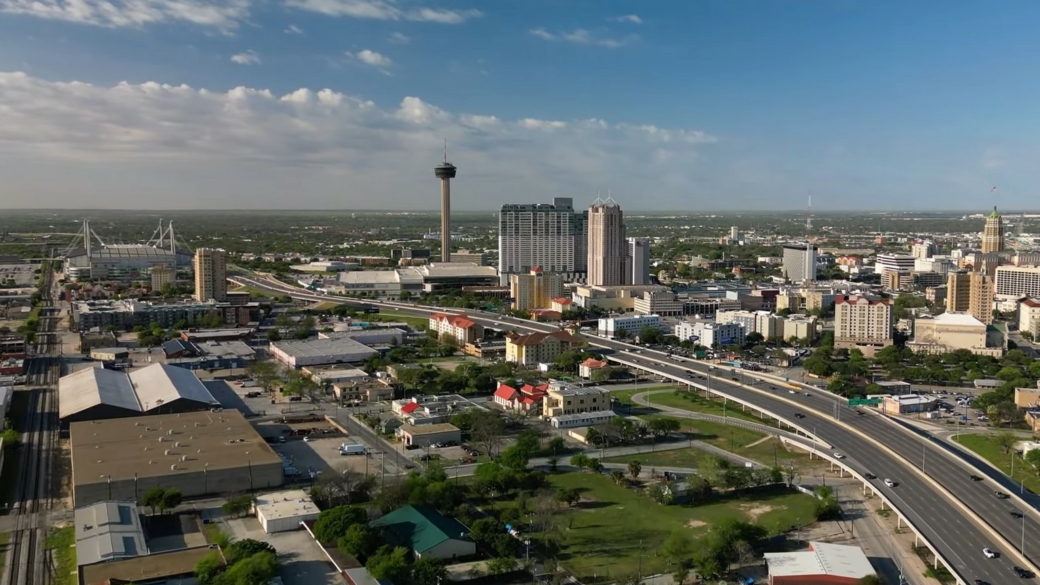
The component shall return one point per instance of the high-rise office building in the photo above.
(799, 263)
(922, 250)
(993, 233)
(900, 263)
(162, 275)
(638, 261)
(534, 290)
(970, 292)
(607, 246)
(552, 236)
(1018, 281)
(210, 275)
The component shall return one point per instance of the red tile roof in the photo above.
(539, 338)
(563, 301)
(506, 392)
(410, 407)
(594, 363)
(1030, 303)
(454, 320)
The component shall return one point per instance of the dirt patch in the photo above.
(696, 524)
(755, 510)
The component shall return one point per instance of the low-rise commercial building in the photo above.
(564, 398)
(908, 404)
(823, 564)
(629, 325)
(125, 315)
(285, 510)
(664, 303)
(532, 349)
(315, 352)
(582, 419)
(200, 453)
(427, 435)
(427, 533)
(709, 333)
(526, 399)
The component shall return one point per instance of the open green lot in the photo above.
(985, 447)
(615, 531)
(63, 542)
(397, 317)
(254, 292)
(697, 403)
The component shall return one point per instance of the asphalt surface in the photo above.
(958, 539)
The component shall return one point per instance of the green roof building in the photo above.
(427, 532)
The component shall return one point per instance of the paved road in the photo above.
(959, 539)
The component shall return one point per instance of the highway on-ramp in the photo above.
(943, 523)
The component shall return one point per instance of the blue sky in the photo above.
(680, 105)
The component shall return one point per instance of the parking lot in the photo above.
(302, 562)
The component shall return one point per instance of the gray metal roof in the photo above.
(139, 391)
(107, 531)
(91, 387)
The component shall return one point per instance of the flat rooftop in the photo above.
(420, 430)
(570, 390)
(285, 504)
(123, 447)
(322, 347)
(145, 568)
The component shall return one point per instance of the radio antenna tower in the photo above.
(810, 256)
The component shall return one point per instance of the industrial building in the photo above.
(427, 533)
(437, 277)
(107, 531)
(95, 393)
(369, 336)
(200, 453)
(823, 564)
(284, 511)
(315, 352)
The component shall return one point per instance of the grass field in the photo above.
(696, 403)
(255, 292)
(984, 447)
(624, 397)
(615, 531)
(397, 316)
(63, 542)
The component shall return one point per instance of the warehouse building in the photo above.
(284, 511)
(315, 352)
(96, 393)
(822, 564)
(200, 453)
(368, 336)
(426, 532)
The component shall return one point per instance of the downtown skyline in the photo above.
(346, 104)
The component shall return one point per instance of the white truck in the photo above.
(352, 449)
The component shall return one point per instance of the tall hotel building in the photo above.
(608, 248)
(550, 236)
(993, 233)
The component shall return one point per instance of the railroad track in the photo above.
(27, 561)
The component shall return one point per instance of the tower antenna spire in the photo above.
(445, 150)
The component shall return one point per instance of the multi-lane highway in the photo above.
(942, 522)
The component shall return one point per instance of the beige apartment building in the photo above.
(563, 398)
(162, 275)
(535, 290)
(210, 275)
(539, 348)
(970, 292)
(608, 248)
(863, 323)
(1029, 317)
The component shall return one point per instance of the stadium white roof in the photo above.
(137, 391)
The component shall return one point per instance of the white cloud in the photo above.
(138, 144)
(399, 38)
(292, 29)
(629, 18)
(383, 10)
(246, 58)
(372, 58)
(222, 14)
(581, 36)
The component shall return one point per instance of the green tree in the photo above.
(617, 476)
(678, 547)
(153, 498)
(245, 548)
(1005, 441)
(427, 571)
(360, 541)
(335, 522)
(1002, 413)
(259, 568)
(501, 565)
(569, 496)
(390, 564)
(634, 467)
(171, 498)
(207, 569)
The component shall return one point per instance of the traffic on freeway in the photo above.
(957, 537)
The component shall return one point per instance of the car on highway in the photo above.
(975, 477)
(1022, 573)
(799, 415)
(869, 475)
(839, 456)
(989, 553)
(981, 582)
(1000, 495)
(890, 483)
(1016, 514)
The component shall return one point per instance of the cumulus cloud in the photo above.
(629, 18)
(383, 10)
(581, 36)
(246, 58)
(222, 14)
(135, 144)
(372, 58)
